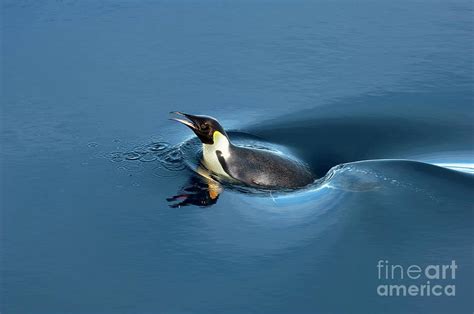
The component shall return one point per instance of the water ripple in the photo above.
(170, 158)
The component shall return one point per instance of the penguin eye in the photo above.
(204, 126)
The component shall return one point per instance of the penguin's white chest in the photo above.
(210, 159)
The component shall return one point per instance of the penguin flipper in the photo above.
(223, 163)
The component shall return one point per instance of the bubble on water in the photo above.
(92, 144)
(174, 166)
(115, 156)
(157, 146)
(148, 157)
(173, 160)
(132, 155)
(139, 150)
(173, 156)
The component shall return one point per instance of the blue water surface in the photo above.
(376, 97)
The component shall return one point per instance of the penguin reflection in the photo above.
(199, 191)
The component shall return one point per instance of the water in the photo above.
(376, 97)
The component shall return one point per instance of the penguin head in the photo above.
(204, 127)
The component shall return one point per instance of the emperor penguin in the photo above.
(250, 166)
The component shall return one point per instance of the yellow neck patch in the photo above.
(218, 137)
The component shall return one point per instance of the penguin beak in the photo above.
(203, 126)
(190, 123)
